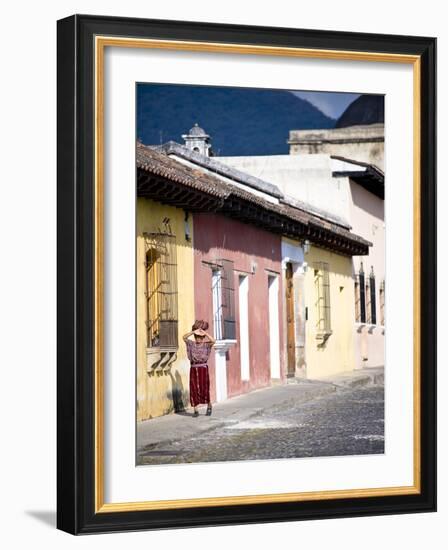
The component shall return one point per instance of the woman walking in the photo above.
(198, 351)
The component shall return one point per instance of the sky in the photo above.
(240, 121)
(332, 104)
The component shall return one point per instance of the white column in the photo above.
(299, 314)
(221, 347)
(274, 332)
(217, 305)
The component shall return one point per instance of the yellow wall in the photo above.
(337, 354)
(158, 390)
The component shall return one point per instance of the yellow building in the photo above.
(319, 310)
(330, 345)
(165, 302)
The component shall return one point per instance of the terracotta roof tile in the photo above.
(160, 164)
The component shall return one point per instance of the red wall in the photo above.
(217, 237)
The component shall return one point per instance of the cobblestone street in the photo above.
(297, 420)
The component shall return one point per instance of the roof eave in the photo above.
(174, 193)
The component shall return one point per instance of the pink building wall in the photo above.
(257, 254)
(367, 218)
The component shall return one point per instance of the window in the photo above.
(357, 300)
(223, 300)
(372, 298)
(368, 310)
(382, 296)
(365, 298)
(322, 292)
(360, 297)
(161, 290)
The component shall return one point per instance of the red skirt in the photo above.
(199, 385)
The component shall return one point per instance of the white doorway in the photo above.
(274, 330)
(243, 299)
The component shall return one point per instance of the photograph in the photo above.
(259, 274)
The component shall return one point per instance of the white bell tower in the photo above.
(197, 140)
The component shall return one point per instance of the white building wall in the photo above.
(305, 177)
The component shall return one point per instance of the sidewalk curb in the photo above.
(374, 377)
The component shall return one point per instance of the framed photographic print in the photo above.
(246, 274)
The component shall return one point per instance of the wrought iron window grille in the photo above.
(161, 289)
(322, 302)
(223, 292)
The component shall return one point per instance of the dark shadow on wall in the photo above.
(366, 201)
(179, 395)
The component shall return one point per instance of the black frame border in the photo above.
(76, 264)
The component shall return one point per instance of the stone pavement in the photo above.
(339, 415)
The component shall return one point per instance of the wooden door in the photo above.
(290, 330)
